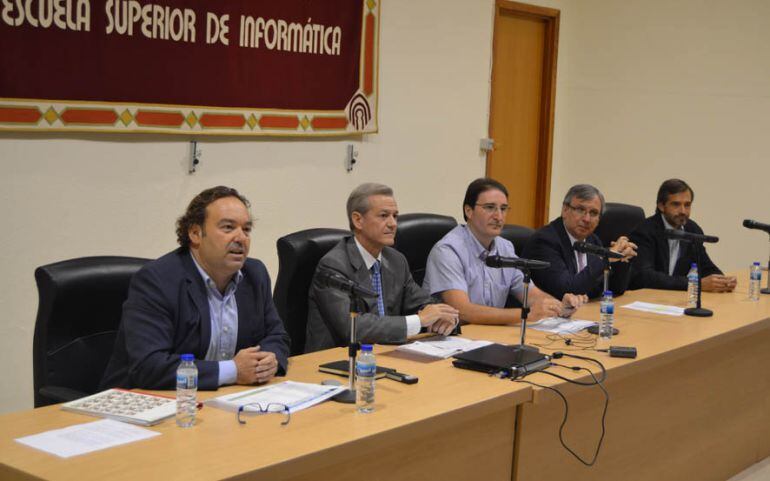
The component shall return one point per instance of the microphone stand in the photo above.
(766, 290)
(525, 314)
(606, 273)
(348, 396)
(698, 311)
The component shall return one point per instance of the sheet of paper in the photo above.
(561, 325)
(442, 347)
(295, 395)
(86, 438)
(656, 308)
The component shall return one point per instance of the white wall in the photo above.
(64, 196)
(646, 90)
(653, 89)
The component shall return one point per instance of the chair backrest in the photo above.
(518, 235)
(298, 256)
(617, 220)
(78, 315)
(416, 235)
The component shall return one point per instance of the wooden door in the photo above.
(522, 106)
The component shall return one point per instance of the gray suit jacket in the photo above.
(329, 309)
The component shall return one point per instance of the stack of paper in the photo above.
(442, 347)
(656, 308)
(294, 395)
(86, 438)
(561, 325)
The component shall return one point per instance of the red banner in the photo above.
(254, 67)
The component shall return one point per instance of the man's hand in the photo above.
(255, 366)
(625, 247)
(441, 318)
(571, 302)
(718, 283)
(547, 307)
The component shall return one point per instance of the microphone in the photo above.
(752, 224)
(336, 280)
(516, 262)
(593, 249)
(689, 236)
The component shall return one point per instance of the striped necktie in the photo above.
(377, 286)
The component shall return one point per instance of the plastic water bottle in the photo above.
(366, 367)
(186, 391)
(692, 286)
(755, 281)
(607, 317)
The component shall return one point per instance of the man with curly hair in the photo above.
(206, 298)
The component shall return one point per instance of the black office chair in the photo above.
(617, 220)
(81, 303)
(416, 235)
(518, 235)
(298, 256)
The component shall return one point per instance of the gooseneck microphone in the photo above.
(689, 236)
(329, 278)
(752, 224)
(593, 249)
(516, 262)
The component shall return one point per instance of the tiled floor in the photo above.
(758, 472)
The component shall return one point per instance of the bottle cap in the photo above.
(366, 347)
(607, 293)
(693, 265)
(188, 357)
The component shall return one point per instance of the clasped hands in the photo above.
(550, 307)
(255, 365)
(625, 247)
(439, 318)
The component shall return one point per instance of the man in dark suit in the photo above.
(573, 271)
(402, 307)
(664, 263)
(205, 298)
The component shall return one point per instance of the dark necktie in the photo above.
(377, 286)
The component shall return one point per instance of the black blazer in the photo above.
(551, 243)
(651, 264)
(167, 315)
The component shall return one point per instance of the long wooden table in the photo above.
(695, 404)
(453, 424)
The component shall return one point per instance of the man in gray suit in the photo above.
(402, 307)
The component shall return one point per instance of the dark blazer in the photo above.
(651, 264)
(167, 315)
(551, 243)
(329, 309)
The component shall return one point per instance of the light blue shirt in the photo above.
(456, 262)
(224, 325)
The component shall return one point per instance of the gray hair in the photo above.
(358, 201)
(583, 192)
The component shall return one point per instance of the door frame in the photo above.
(547, 106)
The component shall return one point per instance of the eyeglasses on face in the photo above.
(492, 208)
(258, 409)
(581, 211)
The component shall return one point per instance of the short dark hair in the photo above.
(478, 187)
(196, 211)
(672, 186)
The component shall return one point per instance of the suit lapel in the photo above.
(567, 251)
(196, 291)
(664, 251)
(361, 274)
